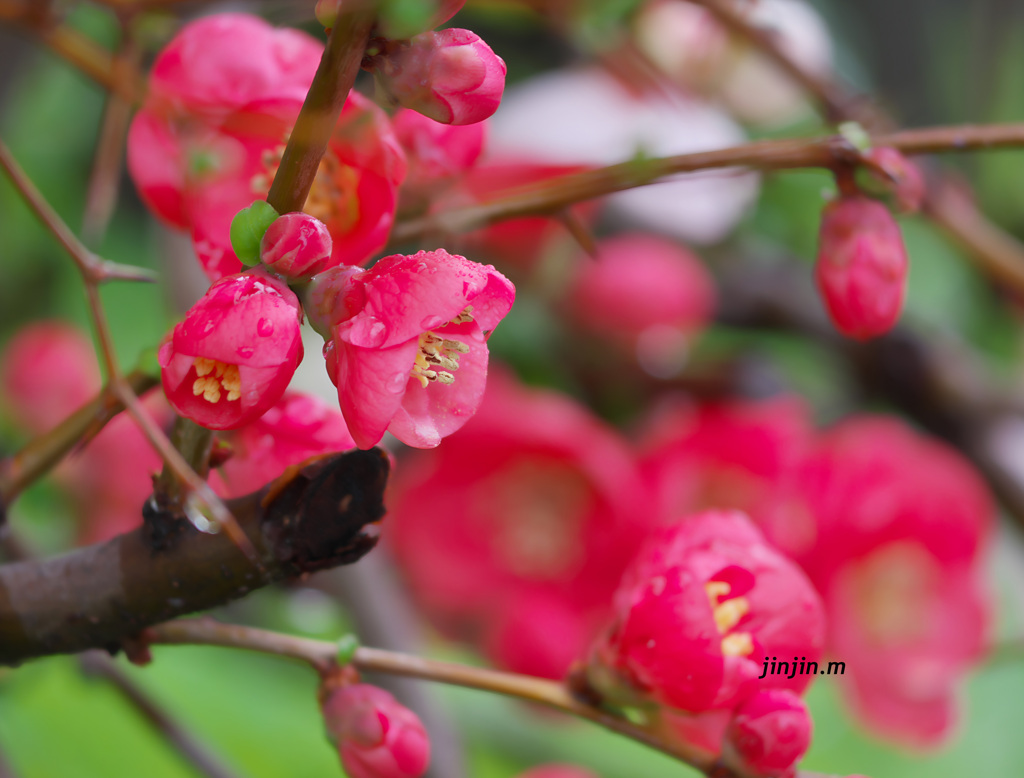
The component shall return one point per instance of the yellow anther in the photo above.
(214, 378)
(716, 590)
(737, 644)
(728, 614)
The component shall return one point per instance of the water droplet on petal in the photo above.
(431, 321)
(210, 324)
(245, 351)
(397, 382)
(378, 333)
(265, 327)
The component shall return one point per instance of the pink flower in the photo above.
(297, 427)
(862, 266)
(699, 611)
(223, 97)
(377, 736)
(902, 524)
(515, 532)
(296, 245)
(742, 455)
(646, 293)
(437, 154)
(451, 75)
(770, 732)
(48, 370)
(232, 357)
(408, 349)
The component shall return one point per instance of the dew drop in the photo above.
(397, 382)
(378, 333)
(431, 321)
(265, 327)
(210, 324)
(245, 351)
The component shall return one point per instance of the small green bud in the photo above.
(854, 134)
(247, 230)
(347, 646)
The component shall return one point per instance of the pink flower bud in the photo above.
(232, 357)
(377, 737)
(297, 245)
(452, 76)
(408, 349)
(902, 177)
(770, 732)
(47, 372)
(862, 266)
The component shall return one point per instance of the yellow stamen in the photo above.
(737, 644)
(213, 378)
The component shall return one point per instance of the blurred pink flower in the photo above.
(861, 270)
(408, 348)
(557, 771)
(516, 531)
(699, 611)
(232, 357)
(377, 736)
(223, 96)
(903, 521)
(450, 75)
(297, 427)
(48, 370)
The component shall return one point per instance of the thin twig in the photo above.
(42, 453)
(198, 755)
(321, 656)
(105, 178)
(93, 268)
(558, 192)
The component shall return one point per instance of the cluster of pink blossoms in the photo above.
(863, 545)
(406, 340)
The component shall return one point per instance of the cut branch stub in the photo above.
(311, 518)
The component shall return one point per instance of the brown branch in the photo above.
(42, 453)
(105, 177)
(93, 268)
(310, 519)
(559, 192)
(81, 52)
(194, 752)
(334, 78)
(321, 656)
(994, 251)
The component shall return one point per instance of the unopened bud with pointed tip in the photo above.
(296, 245)
(770, 732)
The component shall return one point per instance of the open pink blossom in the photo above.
(232, 357)
(903, 522)
(223, 96)
(770, 732)
(377, 736)
(408, 348)
(699, 611)
(555, 770)
(514, 534)
(450, 75)
(861, 269)
(297, 427)
(48, 370)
